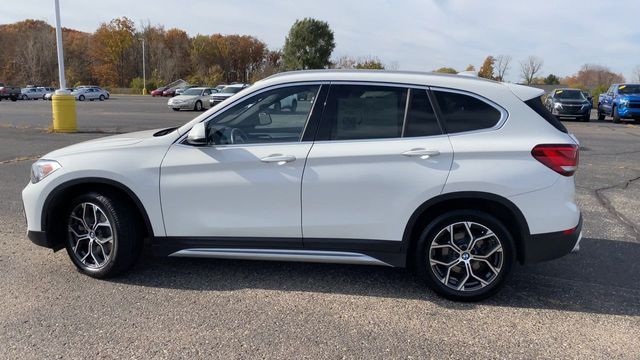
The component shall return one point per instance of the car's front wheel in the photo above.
(465, 255)
(102, 237)
(601, 115)
(615, 115)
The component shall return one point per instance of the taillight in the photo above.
(561, 158)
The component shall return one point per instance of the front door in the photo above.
(244, 185)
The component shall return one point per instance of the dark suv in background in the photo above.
(569, 103)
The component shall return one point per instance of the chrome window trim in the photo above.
(181, 139)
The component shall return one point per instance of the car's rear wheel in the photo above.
(25, 97)
(103, 238)
(616, 115)
(198, 106)
(465, 255)
(81, 97)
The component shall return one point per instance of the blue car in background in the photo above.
(621, 101)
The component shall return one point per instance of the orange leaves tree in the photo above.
(112, 48)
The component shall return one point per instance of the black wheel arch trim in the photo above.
(89, 180)
(521, 221)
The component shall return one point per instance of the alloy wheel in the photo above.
(90, 235)
(466, 256)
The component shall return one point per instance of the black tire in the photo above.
(127, 241)
(615, 115)
(459, 217)
(198, 106)
(24, 97)
(176, 109)
(601, 115)
(586, 118)
(101, 98)
(81, 97)
(294, 105)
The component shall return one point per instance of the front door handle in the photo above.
(278, 158)
(422, 153)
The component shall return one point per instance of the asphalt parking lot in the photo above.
(585, 305)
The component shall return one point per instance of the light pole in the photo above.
(144, 72)
(63, 104)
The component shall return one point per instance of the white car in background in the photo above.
(226, 92)
(48, 96)
(191, 99)
(395, 171)
(90, 93)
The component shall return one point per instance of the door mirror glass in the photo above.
(198, 135)
(264, 118)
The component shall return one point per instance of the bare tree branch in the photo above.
(502, 65)
(530, 67)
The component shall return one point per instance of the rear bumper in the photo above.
(548, 246)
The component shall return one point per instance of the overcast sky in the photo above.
(412, 34)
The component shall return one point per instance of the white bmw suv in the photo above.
(456, 177)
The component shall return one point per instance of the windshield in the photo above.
(192, 92)
(629, 89)
(569, 95)
(231, 90)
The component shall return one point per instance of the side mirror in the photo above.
(264, 118)
(198, 135)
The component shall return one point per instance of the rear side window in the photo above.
(363, 112)
(536, 105)
(466, 113)
(421, 119)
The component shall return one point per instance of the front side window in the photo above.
(277, 115)
(363, 112)
(466, 113)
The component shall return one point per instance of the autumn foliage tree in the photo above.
(486, 70)
(112, 47)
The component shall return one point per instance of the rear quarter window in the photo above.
(536, 105)
(462, 112)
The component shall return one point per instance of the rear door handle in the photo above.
(422, 153)
(278, 158)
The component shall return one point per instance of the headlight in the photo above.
(42, 168)
(624, 102)
(557, 105)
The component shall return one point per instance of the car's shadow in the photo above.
(601, 278)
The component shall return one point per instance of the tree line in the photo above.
(590, 77)
(112, 55)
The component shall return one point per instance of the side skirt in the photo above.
(337, 251)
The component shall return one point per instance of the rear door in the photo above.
(379, 154)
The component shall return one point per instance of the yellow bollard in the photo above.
(144, 91)
(64, 113)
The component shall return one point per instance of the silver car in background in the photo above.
(90, 93)
(32, 93)
(191, 99)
